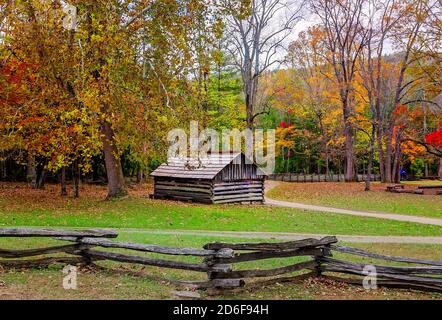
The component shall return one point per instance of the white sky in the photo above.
(309, 20)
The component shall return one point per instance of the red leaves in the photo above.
(15, 71)
(284, 125)
(400, 110)
(13, 76)
(434, 139)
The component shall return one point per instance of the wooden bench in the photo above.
(433, 190)
(430, 187)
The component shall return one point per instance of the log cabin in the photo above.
(216, 179)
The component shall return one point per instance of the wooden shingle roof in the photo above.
(204, 168)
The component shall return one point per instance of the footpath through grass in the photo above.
(353, 196)
(20, 206)
(104, 284)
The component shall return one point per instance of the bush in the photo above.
(418, 168)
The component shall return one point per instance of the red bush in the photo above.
(284, 125)
(434, 139)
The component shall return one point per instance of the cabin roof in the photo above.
(204, 168)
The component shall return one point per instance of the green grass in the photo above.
(424, 183)
(144, 213)
(20, 206)
(353, 196)
(103, 284)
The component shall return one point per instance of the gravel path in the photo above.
(380, 215)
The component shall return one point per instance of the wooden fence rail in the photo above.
(219, 259)
(311, 178)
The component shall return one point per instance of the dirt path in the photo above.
(286, 236)
(380, 215)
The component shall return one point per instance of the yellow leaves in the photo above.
(336, 142)
(413, 150)
(57, 163)
(285, 137)
(317, 34)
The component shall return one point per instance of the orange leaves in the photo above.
(413, 150)
(30, 120)
(400, 110)
(285, 137)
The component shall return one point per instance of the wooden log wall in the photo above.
(184, 190)
(219, 259)
(207, 191)
(238, 191)
(240, 171)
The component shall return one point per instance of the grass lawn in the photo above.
(104, 284)
(353, 196)
(424, 183)
(20, 206)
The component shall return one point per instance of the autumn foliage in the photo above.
(101, 97)
(435, 139)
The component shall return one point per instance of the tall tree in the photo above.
(256, 31)
(342, 21)
(307, 60)
(382, 17)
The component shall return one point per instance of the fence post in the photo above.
(215, 284)
(326, 252)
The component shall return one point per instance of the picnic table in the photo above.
(431, 190)
(395, 187)
(430, 187)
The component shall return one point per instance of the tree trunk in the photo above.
(251, 91)
(249, 111)
(31, 172)
(64, 191)
(396, 176)
(388, 156)
(381, 155)
(349, 148)
(76, 179)
(140, 176)
(114, 171)
(327, 166)
(42, 178)
(349, 154)
(2, 169)
(369, 168)
(339, 169)
(440, 169)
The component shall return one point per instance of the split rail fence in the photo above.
(310, 178)
(218, 259)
